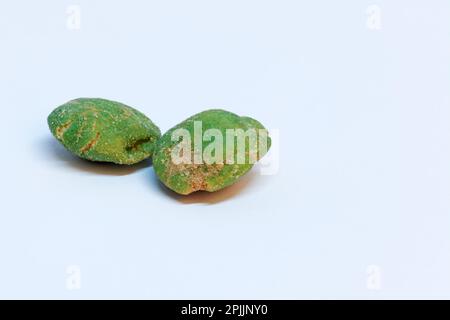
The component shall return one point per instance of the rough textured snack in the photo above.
(103, 130)
(189, 175)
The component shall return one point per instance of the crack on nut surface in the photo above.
(90, 144)
(62, 129)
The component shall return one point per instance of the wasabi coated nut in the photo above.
(177, 153)
(103, 130)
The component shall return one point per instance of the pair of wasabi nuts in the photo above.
(108, 131)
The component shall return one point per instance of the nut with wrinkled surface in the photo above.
(103, 130)
(186, 178)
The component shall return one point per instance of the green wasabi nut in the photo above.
(209, 151)
(103, 130)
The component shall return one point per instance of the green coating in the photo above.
(188, 178)
(103, 130)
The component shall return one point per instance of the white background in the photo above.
(364, 173)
